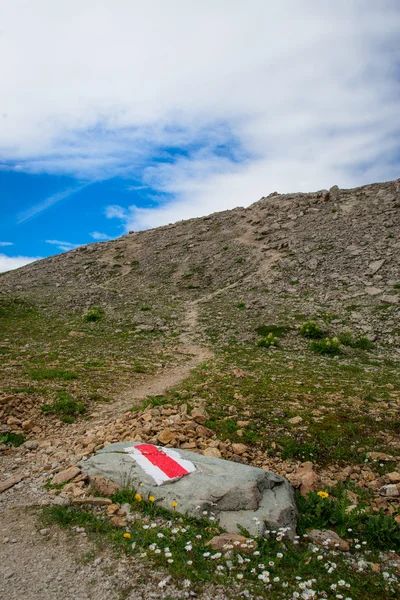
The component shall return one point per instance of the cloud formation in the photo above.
(2, 244)
(7, 263)
(63, 246)
(209, 104)
(97, 235)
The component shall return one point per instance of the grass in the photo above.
(14, 439)
(44, 374)
(177, 544)
(379, 531)
(65, 407)
(276, 330)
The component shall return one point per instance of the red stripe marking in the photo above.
(164, 462)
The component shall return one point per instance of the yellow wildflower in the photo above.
(323, 494)
(151, 499)
(174, 504)
(127, 536)
(138, 497)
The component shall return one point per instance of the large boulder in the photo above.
(235, 494)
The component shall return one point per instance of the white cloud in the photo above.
(6, 244)
(97, 235)
(116, 212)
(7, 263)
(261, 96)
(35, 210)
(63, 246)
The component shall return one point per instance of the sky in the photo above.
(120, 115)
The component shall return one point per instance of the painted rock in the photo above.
(234, 494)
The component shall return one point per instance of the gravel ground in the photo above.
(54, 564)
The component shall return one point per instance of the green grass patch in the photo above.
(276, 330)
(177, 544)
(44, 374)
(14, 439)
(379, 531)
(65, 407)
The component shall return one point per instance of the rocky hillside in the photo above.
(336, 250)
(267, 335)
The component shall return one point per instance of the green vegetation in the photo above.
(276, 330)
(328, 345)
(14, 439)
(65, 407)
(43, 374)
(241, 305)
(95, 313)
(269, 340)
(361, 342)
(177, 544)
(379, 531)
(311, 330)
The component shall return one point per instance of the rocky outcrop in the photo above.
(233, 493)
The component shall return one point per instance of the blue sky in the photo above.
(135, 113)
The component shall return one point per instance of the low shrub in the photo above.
(326, 346)
(361, 342)
(266, 342)
(311, 330)
(95, 313)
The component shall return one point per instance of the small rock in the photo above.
(295, 420)
(13, 421)
(394, 477)
(119, 521)
(28, 425)
(239, 448)
(44, 531)
(306, 478)
(31, 445)
(375, 265)
(379, 456)
(212, 452)
(166, 436)
(104, 486)
(232, 541)
(64, 476)
(60, 501)
(10, 482)
(388, 299)
(390, 490)
(199, 415)
(329, 539)
(91, 500)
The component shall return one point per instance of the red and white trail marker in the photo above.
(164, 465)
